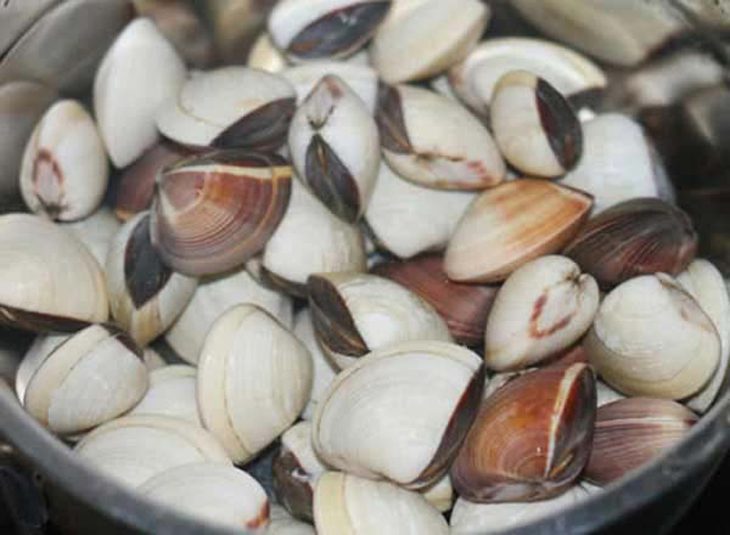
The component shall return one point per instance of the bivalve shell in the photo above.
(531, 438)
(265, 56)
(282, 523)
(355, 313)
(96, 232)
(313, 29)
(171, 393)
(400, 413)
(433, 141)
(139, 73)
(50, 280)
(90, 378)
(360, 78)
(651, 338)
(229, 107)
(507, 226)
(145, 295)
(42, 346)
(215, 211)
(64, 171)
(254, 379)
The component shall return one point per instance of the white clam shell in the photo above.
(543, 307)
(211, 299)
(33, 358)
(90, 378)
(475, 78)
(48, 271)
(385, 416)
(152, 359)
(298, 440)
(440, 494)
(211, 101)
(133, 449)
(64, 170)
(215, 493)
(96, 232)
(172, 392)
(282, 523)
(254, 379)
(345, 503)
(144, 320)
(705, 283)
(605, 394)
(651, 338)
(139, 73)
(265, 56)
(323, 371)
(423, 38)
(409, 219)
(310, 239)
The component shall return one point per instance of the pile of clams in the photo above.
(435, 266)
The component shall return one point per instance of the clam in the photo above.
(705, 283)
(64, 170)
(213, 212)
(335, 148)
(507, 226)
(88, 379)
(464, 307)
(355, 313)
(400, 412)
(605, 394)
(296, 470)
(310, 239)
(145, 295)
(18, 17)
(535, 128)
(345, 503)
(282, 523)
(325, 28)
(531, 438)
(362, 79)
(221, 495)
(422, 38)
(635, 237)
(617, 163)
(651, 338)
(543, 308)
(265, 56)
(254, 379)
(569, 72)
(323, 371)
(229, 107)
(133, 449)
(633, 431)
(152, 359)
(408, 219)
(42, 346)
(433, 141)
(469, 517)
(136, 185)
(211, 299)
(96, 232)
(171, 393)
(440, 494)
(139, 73)
(51, 281)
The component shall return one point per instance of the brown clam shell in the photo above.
(531, 438)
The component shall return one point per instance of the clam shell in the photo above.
(42, 346)
(355, 313)
(211, 299)
(282, 523)
(408, 219)
(605, 394)
(64, 170)
(400, 413)
(310, 239)
(51, 281)
(422, 38)
(475, 78)
(214, 212)
(215, 493)
(229, 107)
(133, 449)
(434, 141)
(509, 225)
(651, 338)
(152, 359)
(140, 72)
(531, 438)
(543, 308)
(92, 377)
(440, 494)
(145, 295)
(345, 503)
(635, 237)
(96, 232)
(265, 56)
(171, 393)
(325, 28)
(254, 379)
(18, 17)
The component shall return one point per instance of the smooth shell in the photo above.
(171, 393)
(96, 232)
